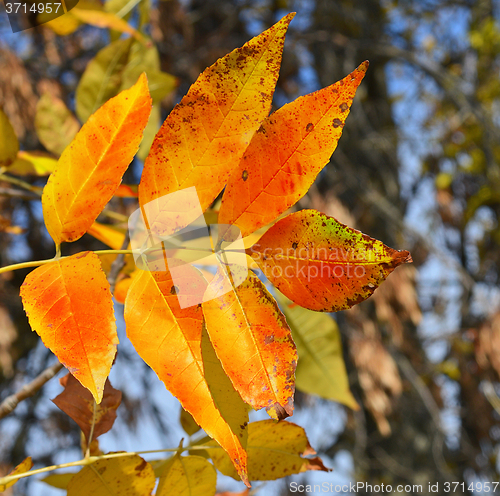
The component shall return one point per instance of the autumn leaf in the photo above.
(78, 403)
(90, 169)
(9, 145)
(320, 368)
(103, 19)
(109, 235)
(275, 450)
(69, 305)
(59, 480)
(286, 154)
(187, 476)
(322, 264)
(254, 344)
(24, 466)
(188, 423)
(55, 124)
(33, 163)
(124, 475)
(169, 340)
(102, 78)
(206, 134)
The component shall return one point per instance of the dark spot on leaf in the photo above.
(337, 122)
(141, 466)
(174, 290)
(294, 245)
(244, 175)
(309, 127)
(344, 106)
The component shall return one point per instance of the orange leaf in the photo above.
(286, 154)
(169, 339)
(127, 191)
(207, 132)
(91, 167)
(78, 403)
(254, 344)
(322, 264)
(69, 305)
(109, 235)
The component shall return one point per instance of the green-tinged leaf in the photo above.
(150, 132)
(145, 58)
(187, 476)
(322, 264)
(33, 163)
(9, 145)
(60, 480)
(188, 423)
(55, 124)
(102, 78)
(121, 476)
(24, 466)
(320, 368)
(275, 450)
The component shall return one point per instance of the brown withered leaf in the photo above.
(488, 344)
(78, 403)
(378, 375)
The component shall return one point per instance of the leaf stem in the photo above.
(92, 459)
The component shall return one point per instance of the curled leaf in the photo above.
(78, 403)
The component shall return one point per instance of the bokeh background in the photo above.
(418, 167)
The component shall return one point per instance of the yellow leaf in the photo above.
(122, 476)
(24, 466)
(9, 145)
(103, 19)
(320, 368)
(206, 134)
(33, 163)
(187, 476)
(56, 298)
(275, 450)
(60, 480)
(90, 169)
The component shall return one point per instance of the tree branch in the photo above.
(9, 404)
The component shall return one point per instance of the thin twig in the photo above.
(118, 263)
(10, 403)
